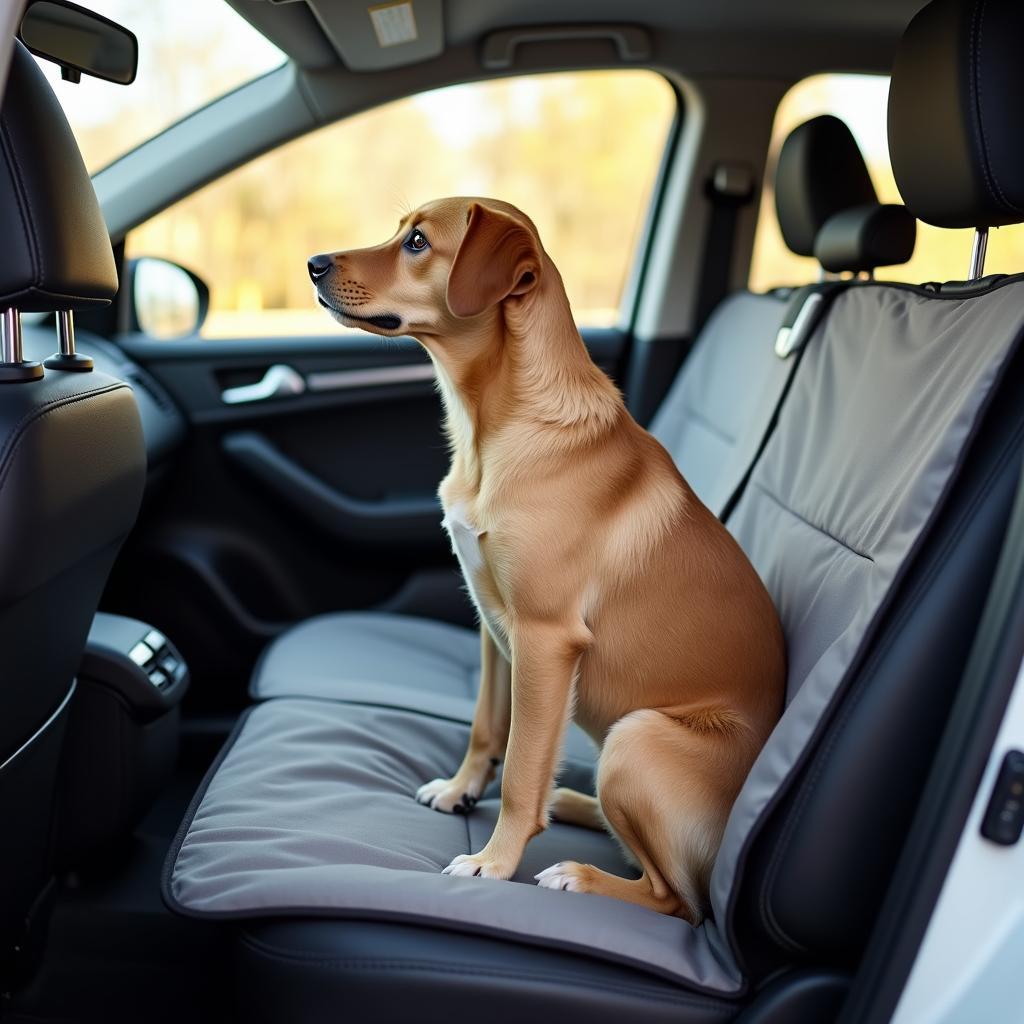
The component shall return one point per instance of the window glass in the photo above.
(190, 52)
(579, 153)
(861, 101)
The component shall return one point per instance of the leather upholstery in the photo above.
(331, 970)
(72, 471)
(820, 172)
(56, 251)
(866, 237)
(955, 136)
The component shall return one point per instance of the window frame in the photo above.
(638, 259)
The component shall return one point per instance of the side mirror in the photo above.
(167, 300)
(81, 42)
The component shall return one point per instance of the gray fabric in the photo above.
(311, 810)
(312, 807)
(357, 655)
(395, 661)
(880, 410)
(716, 413)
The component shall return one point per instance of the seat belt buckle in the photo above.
(792, 337)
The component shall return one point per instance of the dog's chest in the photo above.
(465, 538)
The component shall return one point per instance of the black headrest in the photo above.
(866, 237)
(820, 172)
(956, 133)
(54, 247)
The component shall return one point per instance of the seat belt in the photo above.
(804, 311)
(729, 189)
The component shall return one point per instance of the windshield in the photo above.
(190, 52)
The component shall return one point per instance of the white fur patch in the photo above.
(559, 876)
(465, 539)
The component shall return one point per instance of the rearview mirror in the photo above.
(81, 42)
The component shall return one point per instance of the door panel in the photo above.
(287, 506)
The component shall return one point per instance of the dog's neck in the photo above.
(529, 368)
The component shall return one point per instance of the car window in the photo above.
(579, 153)
(180, 69)
(861, 101)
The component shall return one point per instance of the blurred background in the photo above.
(579, 152)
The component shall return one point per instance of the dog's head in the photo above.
(451, 263)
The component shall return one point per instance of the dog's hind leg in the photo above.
(665, 786)
(574, 808)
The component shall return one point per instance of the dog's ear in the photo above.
(498, 257)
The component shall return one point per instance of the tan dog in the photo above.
(607, 592)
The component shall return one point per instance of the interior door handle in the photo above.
(278, 382)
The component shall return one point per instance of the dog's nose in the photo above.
(318, 266)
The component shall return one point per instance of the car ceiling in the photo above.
(728, 37)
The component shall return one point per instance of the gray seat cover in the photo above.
(887, 397)
(395, 661)
(714, 416)
(312, 808)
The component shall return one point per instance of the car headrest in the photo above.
(56, 251)
(866, 237)
(956, 135)
(820, 172)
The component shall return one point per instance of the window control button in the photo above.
(157, 678)
(1004, 818)
(155, 639)
(140, 654)
(169, 664)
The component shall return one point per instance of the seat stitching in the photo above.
(24, 206)
(819, 529)
(977, 27)
(18, 434)
(434, 967)
(707, 424)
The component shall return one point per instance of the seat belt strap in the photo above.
(729, 189)
(804, 312)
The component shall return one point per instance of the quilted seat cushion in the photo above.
(394, 661)
(310, 810)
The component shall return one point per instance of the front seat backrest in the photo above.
(816, 866)
(72, 470)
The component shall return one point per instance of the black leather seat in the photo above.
(72, 469)
(875, 515)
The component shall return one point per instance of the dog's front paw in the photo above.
(566, 875)
(478, 865)
(448, 795)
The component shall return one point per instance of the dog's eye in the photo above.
(416, 242)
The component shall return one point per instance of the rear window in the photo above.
(861, 101)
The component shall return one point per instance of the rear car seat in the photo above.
(712, 421)
(875, 516)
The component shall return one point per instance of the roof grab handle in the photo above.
(632, 44)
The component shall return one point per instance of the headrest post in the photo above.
(978, 251)
(67, 358)
(12, 351)
(13, 367)
(66, 331)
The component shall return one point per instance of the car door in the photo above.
(308, 480)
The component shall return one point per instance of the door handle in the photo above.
(278, 382)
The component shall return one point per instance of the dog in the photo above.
(607, 592)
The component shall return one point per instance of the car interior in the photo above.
(235, 637)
